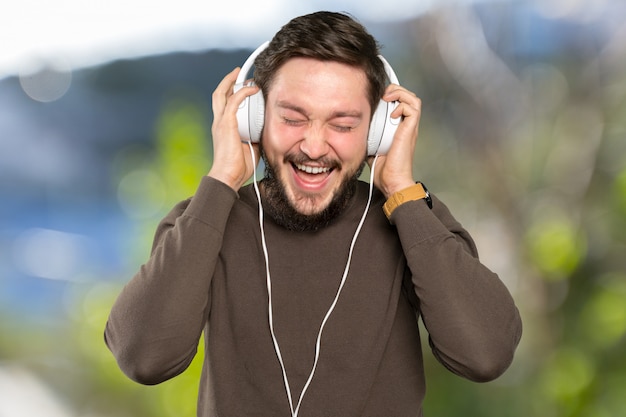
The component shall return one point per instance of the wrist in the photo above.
(414, 192)
(397, 188)
(226, 179)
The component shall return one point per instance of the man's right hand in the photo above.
(232, 161)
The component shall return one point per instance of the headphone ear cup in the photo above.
(377, 126)
(382, 128)
(243, 121)
(250, 117)
(256, 114)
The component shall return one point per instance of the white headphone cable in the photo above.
(294, 412)
(269, 281)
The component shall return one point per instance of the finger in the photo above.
(235, 99)
(223, 90)
(412, 110)
(395, 92)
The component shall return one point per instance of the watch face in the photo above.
(428, 199)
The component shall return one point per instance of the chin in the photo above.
(309, 203)
(310, 206)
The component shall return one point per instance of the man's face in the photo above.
(317, 118)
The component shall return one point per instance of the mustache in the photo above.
(303, 159)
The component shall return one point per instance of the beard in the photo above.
(285, 214)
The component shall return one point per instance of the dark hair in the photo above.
(325, 36)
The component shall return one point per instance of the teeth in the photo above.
(312, 170)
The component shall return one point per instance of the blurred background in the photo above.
(105, 124)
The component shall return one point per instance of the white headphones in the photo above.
(251, 112)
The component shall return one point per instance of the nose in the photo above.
(314, 144)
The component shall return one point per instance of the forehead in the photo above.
(322, 82)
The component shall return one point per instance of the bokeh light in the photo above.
(52, 254)
(141, 193)
(47, 84)
(556, 247)
(603, 318)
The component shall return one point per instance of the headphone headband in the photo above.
(245, 68)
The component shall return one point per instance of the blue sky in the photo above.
(76, 33)
(82, 33)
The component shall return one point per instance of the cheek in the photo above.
(279, 140)
(352, 150)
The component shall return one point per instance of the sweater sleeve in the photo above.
(473, 324)
(155, 324)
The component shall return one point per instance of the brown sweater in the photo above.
(207, 273)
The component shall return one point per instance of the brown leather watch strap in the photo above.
(414, 192)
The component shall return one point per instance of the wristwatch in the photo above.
(414, 192)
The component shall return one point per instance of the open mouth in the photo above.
(312, 169)
(312, 177)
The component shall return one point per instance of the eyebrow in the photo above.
(337, 114)
(289, 106)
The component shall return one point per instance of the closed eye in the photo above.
(293, 122)
(342, 129)
(345, 122)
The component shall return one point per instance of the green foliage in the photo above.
(603, 316)
(555, 247)
(182, 146)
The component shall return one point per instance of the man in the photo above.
(309, 310)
